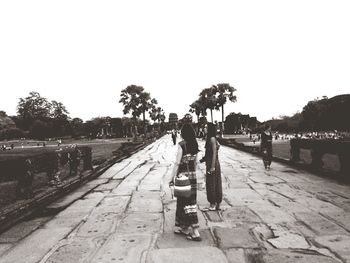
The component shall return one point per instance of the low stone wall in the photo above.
(317, 148)
(33, 170)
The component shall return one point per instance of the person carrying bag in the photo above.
(184, 182)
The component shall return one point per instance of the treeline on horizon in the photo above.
(39, 118)
(321, 114)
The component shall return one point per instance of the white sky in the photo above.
(277, 54)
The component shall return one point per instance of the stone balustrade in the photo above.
(318, 148)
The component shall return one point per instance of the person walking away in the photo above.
(213, 170)
(266, 146)
(174, 135)
(186, 219)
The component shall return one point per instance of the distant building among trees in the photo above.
(173, 120)
(237, 122)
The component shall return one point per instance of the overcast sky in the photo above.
(277, 54)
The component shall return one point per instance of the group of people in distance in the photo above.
(186, 218)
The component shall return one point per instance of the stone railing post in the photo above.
(87, 159)
(294, 151)
(24, 188)
(344, 159)
(316, 155)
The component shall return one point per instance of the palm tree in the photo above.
(198, 108)
(156, 113)
(207, 96)
(224, 92)
(146, 104)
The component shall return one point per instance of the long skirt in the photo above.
(267, 155)
(214, 185)
(186, 208)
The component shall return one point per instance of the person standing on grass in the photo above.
(266, 146)
(213, 170)
(186, 218)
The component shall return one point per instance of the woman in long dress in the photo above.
(186, 219)
(266, 146)
(213, 170)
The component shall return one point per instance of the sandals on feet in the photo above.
(205, 209)
(193, 238)
(181, 232)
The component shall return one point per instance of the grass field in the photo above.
(101, 151)
(281, 149)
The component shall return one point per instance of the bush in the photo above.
(12, 133)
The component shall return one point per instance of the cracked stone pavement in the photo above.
(127, 215)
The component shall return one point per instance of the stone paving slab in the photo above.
(238, 237)
(320, 224)
(70, 218)
(240, 214)
(4, 248)
(79, 250)
(65, 201)
(270, 213)
(99, 224)
(146, 202)
(34, 247)
(115, 169)
(22, 230)
(187, 255)
(153, 181)
(285, 238)
(341, 218)
(235, 255)
(340, 244)
(112, 184)
(295, 257)
(149, 223)
(124, 248)
(171, 240)
(129, 169)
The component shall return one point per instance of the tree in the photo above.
(58, 111)
(224, 92)
(136, 101)
(77, 125)
(36, 108)
(60, 119)
(207, 96)
(130, 98)
(40, 129)
(157, 114)
(6, 122)
(146, 103)
(198, 107)
(312, 114)
(33, 107)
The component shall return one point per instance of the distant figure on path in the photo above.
(213, 170)
(174, 135)
(266, 146)
(186, 207)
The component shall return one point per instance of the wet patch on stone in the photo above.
(239, 237)
(240, 214)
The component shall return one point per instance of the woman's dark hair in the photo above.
(211, 132)
(188, 134)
